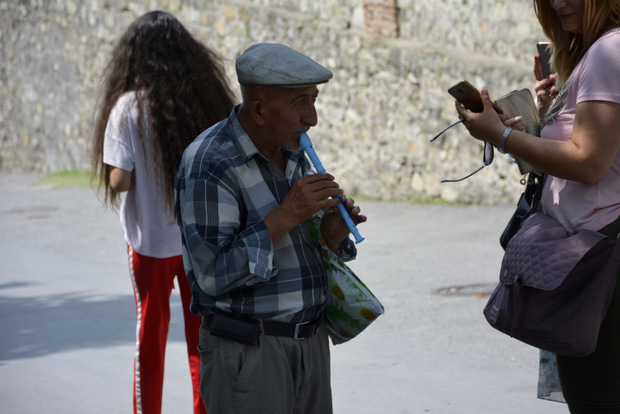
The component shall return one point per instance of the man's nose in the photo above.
(310, 116)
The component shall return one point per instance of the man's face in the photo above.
(289, 112)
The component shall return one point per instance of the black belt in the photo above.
(297, 331)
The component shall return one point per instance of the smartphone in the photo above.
(469, 96)
(545, 58)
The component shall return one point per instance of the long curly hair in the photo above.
(181, 89)
(568, 48)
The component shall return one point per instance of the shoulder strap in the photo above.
(533, 190)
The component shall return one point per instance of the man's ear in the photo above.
(257, 112)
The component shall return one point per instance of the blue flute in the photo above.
(306, 144)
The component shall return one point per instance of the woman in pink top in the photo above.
(161, 89)
(579, 150)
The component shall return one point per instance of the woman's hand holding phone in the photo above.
(545, 87)
(485, 125)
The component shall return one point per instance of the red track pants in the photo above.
(153, 281)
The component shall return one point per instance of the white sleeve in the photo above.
(122, 127)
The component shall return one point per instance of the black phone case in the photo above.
(545, 59)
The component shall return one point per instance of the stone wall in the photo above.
(387, 98)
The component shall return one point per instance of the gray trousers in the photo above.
(277, 375)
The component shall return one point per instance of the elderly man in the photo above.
(244, 194)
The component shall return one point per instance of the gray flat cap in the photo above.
(279, 65)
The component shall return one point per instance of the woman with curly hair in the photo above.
(161, 88)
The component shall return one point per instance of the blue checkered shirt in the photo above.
(224, 190)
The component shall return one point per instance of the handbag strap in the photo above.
(533, 190)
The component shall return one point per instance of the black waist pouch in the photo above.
(244, 330)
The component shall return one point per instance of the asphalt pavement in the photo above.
(67, 313)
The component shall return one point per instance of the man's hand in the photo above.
(333, 227)
(308, 195)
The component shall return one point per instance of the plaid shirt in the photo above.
(224, 190)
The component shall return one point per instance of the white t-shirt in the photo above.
(150, 228)
(578, 205)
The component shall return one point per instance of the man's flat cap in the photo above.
(279, 65)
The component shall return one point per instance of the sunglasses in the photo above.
(487, 155)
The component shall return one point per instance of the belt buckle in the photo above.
(297, 328)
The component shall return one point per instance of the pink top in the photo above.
(578, 205)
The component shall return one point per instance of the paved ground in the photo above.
(67, 313)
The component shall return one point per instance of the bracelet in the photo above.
(502, 142)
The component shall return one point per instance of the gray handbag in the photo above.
(554, 287)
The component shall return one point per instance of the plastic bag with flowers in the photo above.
(353, 307)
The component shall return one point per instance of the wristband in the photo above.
(502, 142)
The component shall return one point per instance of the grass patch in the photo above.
(67, 178)
(434, 201)
(81, 179)
(411, 199)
